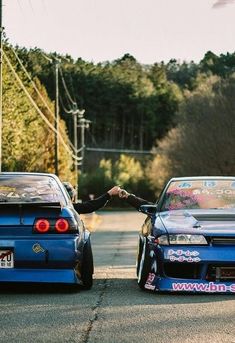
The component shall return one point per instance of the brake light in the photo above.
(42, 225)
(62, 225)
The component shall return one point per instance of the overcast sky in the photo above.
(101, 30)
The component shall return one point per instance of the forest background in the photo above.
(183, 113)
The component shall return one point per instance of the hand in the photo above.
(123, 194)
(114, 191)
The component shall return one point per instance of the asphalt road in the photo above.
(115, 310)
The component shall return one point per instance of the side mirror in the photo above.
(150, 210)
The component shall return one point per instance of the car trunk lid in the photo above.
(21, 216)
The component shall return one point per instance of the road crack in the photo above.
(95, 309)
(97, 306)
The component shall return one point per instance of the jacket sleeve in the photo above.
(136, 202)
(92, 205)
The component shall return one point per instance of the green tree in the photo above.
(203, 142)
(24, 130)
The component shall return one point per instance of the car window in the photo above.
(203, 194)
(29, 188)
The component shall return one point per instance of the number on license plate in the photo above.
(6, 259)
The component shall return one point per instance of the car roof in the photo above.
(202, 177)
(27, 173)
(55, 177)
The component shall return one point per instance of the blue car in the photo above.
(42, 238)
(187, 242)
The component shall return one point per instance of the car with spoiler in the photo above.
(187, 242)
(42, 238)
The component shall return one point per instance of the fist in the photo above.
(123, 194)
(114, 191)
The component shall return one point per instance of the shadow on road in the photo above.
(37, 288)
(136, 296)
(122, 291)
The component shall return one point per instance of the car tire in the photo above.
(144, 265)
(139, 255)
(87, 266)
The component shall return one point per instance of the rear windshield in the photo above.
(29, 188)
(202, 194)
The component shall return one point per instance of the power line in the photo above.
(64, 108)
(31, 6)
(44, 6)
(124, 151)
(19, 4)
(38, 109)
(33, 83)
(38, 92)
(66, 88)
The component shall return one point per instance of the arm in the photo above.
(136, 201)
(133, 200)
(93, 205)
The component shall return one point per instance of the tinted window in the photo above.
(29, 188)
(203, 194)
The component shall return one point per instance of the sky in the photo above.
(104, 30)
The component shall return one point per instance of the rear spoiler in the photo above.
(32, 204)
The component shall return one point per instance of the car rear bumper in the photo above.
(67, 276)
(42, 259)
(43, 252)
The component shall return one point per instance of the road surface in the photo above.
(115, 310)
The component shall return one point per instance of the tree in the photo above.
(203, 143)
(24, 130)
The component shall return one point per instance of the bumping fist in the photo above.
(114, 191)
(123, 194)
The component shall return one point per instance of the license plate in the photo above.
(228, 272)
(6, 259)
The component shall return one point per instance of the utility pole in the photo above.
(1, 29)
(77, 115)
(83, 124)
(75, 140)
(56, 63)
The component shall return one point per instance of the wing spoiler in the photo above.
(32, 204)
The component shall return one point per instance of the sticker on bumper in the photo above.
(184, 259)
(183, 255)
(149, 282)
(203, 287)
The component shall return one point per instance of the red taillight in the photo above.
(42, 225)
(61, 225)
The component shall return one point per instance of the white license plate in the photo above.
(6, 259)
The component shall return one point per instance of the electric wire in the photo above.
(19, 4)
(72, 87)
(31, 6)
(33, 83)
(44, 6)
(69, 112)
(39, 111)
(39, 94)
(63, 106)
(93, 139)
(66, 89)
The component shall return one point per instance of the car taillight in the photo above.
(62, 225)
(42, 225)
